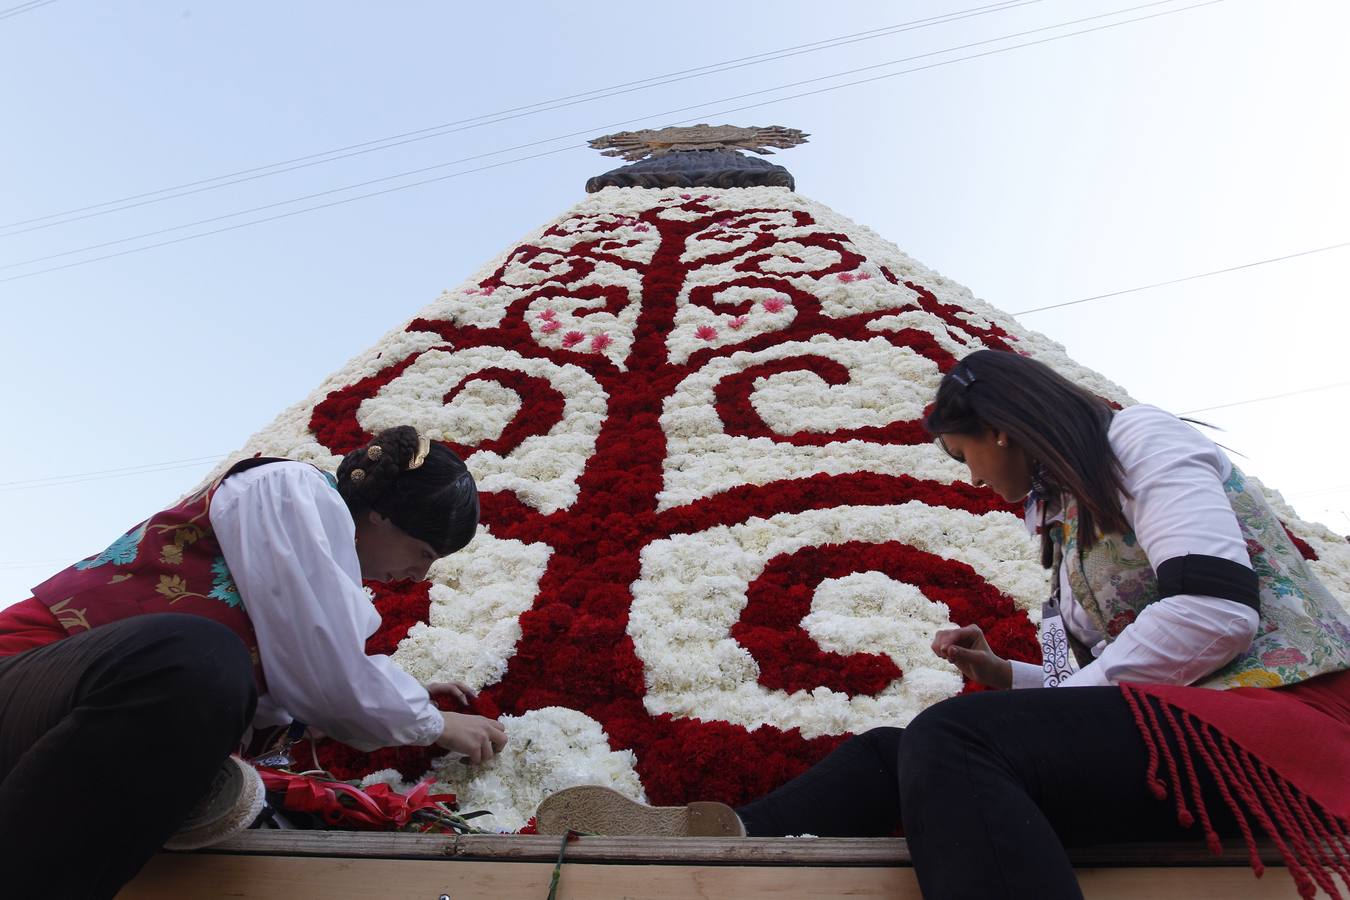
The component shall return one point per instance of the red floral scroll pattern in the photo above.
(739, 416)
(544, 401)
(770, 625)
(574, 650)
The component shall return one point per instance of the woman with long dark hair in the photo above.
(129, 677)
(1191, 651)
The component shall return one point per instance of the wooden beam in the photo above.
(239, 877)
(703, 851)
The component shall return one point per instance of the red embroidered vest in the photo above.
(169, 563)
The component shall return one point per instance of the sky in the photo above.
(1209, 136)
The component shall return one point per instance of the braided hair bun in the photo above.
(436, 502)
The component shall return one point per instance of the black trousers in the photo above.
(990, 788)
(107, 739)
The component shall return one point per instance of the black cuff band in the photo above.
(1209, 576)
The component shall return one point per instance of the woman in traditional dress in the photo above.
(1190, 650)
(116, 709)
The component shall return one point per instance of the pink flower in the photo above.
(572, 338)
(601, 341)
(550, 326)
(863, 276)
(774, 304)
(686, 196)
(548, 315)
(737, 322)
(642, 228)
(845, 277)
(706, 332)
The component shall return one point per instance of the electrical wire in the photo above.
(103, 474)
(593, 131)
(585, 131)
(23, 8)
(434, 131)
(1321, 387)
(1158, 284)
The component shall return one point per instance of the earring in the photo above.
(1002, 442)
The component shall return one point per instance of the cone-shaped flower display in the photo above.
(715, 534)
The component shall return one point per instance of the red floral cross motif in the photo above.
(674, 289)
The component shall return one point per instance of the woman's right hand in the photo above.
(967, 649)
(475, 737)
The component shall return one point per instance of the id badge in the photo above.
(1058, 659)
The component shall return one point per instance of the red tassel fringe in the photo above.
(1315, 845)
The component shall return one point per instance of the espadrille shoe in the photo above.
(599, 810)
(230, 805)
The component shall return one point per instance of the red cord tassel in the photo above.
(1314, 844)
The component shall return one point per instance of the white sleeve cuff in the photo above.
(1026, 675)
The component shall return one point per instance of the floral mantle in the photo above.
(715, 536)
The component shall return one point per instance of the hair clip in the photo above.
(423, 448)
(962, 375)
(357, 474)
(374, 452)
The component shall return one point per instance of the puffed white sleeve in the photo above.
(1181, 517)
(289, 542)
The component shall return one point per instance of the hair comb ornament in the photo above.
(374, 452)
(423, 448)
(357, 474)
(962, 375)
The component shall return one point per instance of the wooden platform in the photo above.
(291, 865)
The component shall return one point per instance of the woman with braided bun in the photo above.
(129, 677)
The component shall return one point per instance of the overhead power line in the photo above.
(103, 474)
(1321, 387)
(23, 8)
(1158, 284)
(169, 465)
(598, 128)
(445, 128)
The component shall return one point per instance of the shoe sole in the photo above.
(234, 803)
(600, 810)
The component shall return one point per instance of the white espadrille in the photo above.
(600, 810)
(230, 804)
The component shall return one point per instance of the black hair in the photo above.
(1060, 426)
(436, 502)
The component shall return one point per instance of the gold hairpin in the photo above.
(423, 448)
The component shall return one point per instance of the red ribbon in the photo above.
(378, 806)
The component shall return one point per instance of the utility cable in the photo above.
(434, 131)
(1158, 284)
(1321, 387)
(102, 474)
(23, 8)
(593, 131)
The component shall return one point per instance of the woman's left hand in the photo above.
(461, 692)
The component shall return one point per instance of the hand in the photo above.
(476, 737)
(461, 692)
(967, 649)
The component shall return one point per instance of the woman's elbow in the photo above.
(1241, 632)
